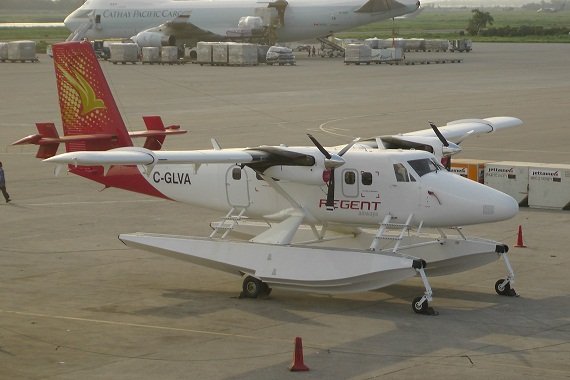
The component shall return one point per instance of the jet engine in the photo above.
(153, 39)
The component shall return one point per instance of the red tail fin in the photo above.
(85, 99)
(154, 123)
(48, 130)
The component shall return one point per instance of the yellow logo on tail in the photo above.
(89, 101)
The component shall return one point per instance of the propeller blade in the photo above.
(319, 147)
(438, 134)
(330, 193)
(348, 146)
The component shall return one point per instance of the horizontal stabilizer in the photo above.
(48, 139)
(156, 133)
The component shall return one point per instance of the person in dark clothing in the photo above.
(3, 184)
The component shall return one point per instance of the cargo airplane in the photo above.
(176, 22)
(373, 197)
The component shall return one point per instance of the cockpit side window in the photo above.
(401, 173)
(424, 166)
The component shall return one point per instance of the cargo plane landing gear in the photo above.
(503, 286)
(254, 287)
(420, 304)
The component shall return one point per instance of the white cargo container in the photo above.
(150, 55)
(392, 42)
(357, 54)
(549, 186)
(3, 51)
(387, 55)
(204, 52)
(242, 54)
(373, 43)
(250, 22)
(220, 53)
(415, 44)
(509, 177)
(436, 45)
(124, 52)
(22, 51)
(169, 54)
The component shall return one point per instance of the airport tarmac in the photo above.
(75, 303)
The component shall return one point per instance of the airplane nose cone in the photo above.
(71, 23)
(460, 201)
(505, 206)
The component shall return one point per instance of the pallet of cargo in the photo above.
(178, 62)
(18, 51)
(426, 61)
(32, 60)
(124, 53)
(358, 62)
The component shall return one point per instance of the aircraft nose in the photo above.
(465, 202)
(71, 22)
(505, 206)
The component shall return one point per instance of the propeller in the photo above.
(449, 149)
(332, 161)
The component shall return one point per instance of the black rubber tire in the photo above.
(422, 309)
(252, 287)
(505, 291)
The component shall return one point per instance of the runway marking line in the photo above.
(89, 202)
(140, 325)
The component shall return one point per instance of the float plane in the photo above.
(177, 22)
(320, 219)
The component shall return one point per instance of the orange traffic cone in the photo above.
(298, 364)
(520, 243)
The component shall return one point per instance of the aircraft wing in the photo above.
(373, 6)
(261, 157)
(456, 131)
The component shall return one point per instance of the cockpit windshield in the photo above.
(424, 166)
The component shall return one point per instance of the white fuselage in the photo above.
(367, 189)
(303, 19)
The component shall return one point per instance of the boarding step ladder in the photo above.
(330, 48)
(385, 225)
(223, 227)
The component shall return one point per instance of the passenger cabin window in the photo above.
(98, 19)
(236, 174)
(349, 177)
(424, 166)
(366, 178)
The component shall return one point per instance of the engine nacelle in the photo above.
(308, 175)
(154, 39)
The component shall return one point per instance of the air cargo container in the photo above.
(549, 186)
(469, 168)
(509, 177)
